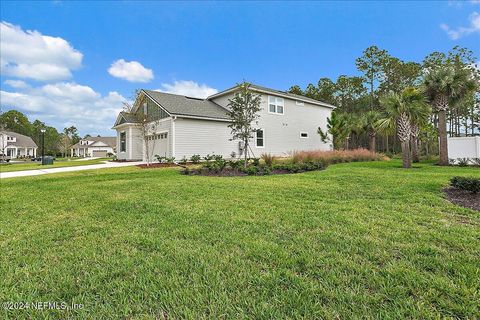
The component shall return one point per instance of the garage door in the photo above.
(158, 145)
(99, 153)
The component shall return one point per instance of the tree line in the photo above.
(56, 143)
(441, 91)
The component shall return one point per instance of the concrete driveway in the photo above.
(26, 173)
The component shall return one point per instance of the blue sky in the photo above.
(56, 56)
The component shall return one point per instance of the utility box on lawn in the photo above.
(47, 160)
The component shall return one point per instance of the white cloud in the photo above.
(17, 84)
(132, 71)
(188, 88)
(29, 54)
(67, 103)
(459, 32)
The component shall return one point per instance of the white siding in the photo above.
(193, 136)
(121, 155)
(282, 132)
(134, 143)
(161, 147)
(463, 147)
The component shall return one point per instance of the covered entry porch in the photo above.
(20, 152)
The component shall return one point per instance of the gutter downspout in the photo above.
(173, 135)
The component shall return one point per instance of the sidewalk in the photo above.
(104, 165)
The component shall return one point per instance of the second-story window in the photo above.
(275, 105)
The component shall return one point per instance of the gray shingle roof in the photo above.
(22, 140)
(111, 141)
(279, 92)
(187, 106)
(130, 118)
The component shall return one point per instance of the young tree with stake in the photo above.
(244, 109)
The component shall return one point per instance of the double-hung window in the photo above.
(260, 138)
(275, 105)
(123, 141)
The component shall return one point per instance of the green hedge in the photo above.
(465, 183)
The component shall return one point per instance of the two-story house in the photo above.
(16, 145)
(180, 126)
(94, 147)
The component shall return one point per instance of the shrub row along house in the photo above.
(178, 126)
(94, 147)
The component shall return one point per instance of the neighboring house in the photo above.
(94, 147)
(16, 145)
(184, 126)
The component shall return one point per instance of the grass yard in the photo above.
(34, 165)
(357, 240)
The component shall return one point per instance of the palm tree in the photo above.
(369, 124)
(400, 111)
(445, 86)
(419, 119)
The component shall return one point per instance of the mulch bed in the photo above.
(463, 198)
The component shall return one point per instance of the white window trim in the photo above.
(120, 142)
(302, 132)
(282, 105)
(260, 147)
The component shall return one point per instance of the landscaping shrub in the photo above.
(195, 158)
(208, 158)
(299, 167)
(235, 164)
(255, 161)
(300, 162)
(268, 158)
(336, 156)
(250, 170)
(170, 160)
(465, 183)
(462, 162)
(160, 159)
(219, 163)
(183, 160)
(476, 161)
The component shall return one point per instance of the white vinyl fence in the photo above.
(463, 147)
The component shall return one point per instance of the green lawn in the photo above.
(359, 240)
(33, 165)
